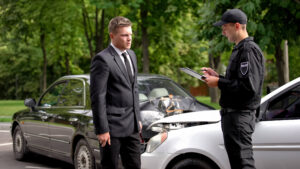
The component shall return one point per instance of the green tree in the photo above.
(263, 16)
(279, 22)
(43, 40)
(44, 25)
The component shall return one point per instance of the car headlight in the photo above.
(156, 141)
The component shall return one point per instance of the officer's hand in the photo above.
(141, 126)
(211, 81)
(209, 71)
(103, 138)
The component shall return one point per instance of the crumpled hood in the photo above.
(210, 116)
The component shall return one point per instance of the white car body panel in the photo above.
(184, 141)
(276, 143)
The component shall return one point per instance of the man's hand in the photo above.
(211, 81)
(141, 126)
(103, 138)
(209, 71)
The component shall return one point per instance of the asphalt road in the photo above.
(7, 160)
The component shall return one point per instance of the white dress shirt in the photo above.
(120, 55)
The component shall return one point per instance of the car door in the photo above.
(36, 124)
(276, 140)
(66, 116)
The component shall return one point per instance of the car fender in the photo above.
(206, 140)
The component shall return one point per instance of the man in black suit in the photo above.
(114, 97)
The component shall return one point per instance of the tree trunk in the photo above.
(145, 40)
(99, 38)
(87, 29)
(214, 63)
(43, 47)
(16, 94)
(67, 63)
(281, 63)
(286, 58)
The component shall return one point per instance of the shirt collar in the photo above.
(117, 49)
(243, 41)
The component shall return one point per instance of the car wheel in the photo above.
(19, 144)
(83, 158)
(192, 163)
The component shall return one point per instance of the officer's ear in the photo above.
(237, 25)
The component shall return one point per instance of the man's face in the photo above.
(229, 31)
(122, 38)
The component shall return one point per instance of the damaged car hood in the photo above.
(209, 116)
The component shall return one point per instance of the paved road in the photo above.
(7, 160)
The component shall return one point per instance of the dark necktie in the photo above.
(127, 65)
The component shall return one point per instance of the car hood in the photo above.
(207, 116)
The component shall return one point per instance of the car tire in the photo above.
(83, 158)
(19, 144)
(192, 163)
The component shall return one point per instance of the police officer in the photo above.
(241, 89)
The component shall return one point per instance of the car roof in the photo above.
(141, 76)
(280, 89)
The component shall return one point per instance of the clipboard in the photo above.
(193, 73)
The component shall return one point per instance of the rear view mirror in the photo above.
(29, 102)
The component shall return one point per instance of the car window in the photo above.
(72, 95)
(51, 97)
(154, 88)
(286, 106)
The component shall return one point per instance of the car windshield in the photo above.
(154, 88)
(166, 96)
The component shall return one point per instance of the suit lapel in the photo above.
(119, 63)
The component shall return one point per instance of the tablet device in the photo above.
(192, 73)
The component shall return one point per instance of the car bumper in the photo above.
(154, 160)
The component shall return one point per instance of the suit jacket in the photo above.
(114, 99)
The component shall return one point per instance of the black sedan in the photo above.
(60, 124)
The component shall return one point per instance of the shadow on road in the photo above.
(45, 162)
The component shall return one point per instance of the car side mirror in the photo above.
(268, 89)
(30, 103)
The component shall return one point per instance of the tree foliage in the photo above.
(43, 40)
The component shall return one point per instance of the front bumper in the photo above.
(154, 160)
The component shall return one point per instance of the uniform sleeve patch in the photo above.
(244, 68)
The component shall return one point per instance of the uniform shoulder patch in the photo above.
(244, 68)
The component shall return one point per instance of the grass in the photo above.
(206, 100)
(8, 108)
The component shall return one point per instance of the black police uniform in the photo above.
(240, 98)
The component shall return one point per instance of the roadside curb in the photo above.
(4, 126)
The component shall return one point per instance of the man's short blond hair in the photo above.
(117, 22)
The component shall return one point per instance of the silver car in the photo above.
(194, 140)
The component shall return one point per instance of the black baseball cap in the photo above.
(232, 16)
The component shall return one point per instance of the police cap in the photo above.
(232, 16)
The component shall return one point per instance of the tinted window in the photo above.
(286, 106)
(67, 93)
(72, 95)
(52, 96)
